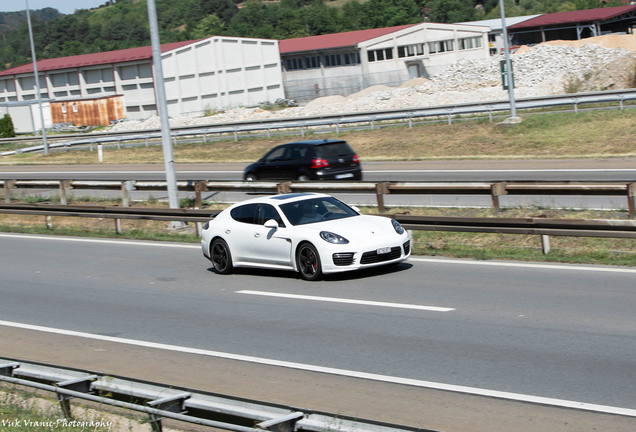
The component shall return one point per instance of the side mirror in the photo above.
(271, 224)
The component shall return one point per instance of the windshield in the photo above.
(316, 210)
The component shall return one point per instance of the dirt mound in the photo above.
(372, 89)
(327, 100)
(414, 82)
(627, 42)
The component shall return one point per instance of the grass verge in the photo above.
(607, 133)
(486, 246)
(24, 410)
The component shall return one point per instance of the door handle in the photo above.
(257, 234)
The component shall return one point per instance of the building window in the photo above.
(312, 62)
(351, 58)
(410, 50)
(440, 46)
(380, 54)
(492, 37)
(302, 63)
(332, 60)
(63, 108)
(469, 43)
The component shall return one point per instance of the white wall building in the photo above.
(344, 63)
(210, 74)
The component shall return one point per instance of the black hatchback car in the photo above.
(307, 160)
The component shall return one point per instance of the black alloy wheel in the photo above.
(308, 262)
(221, 257)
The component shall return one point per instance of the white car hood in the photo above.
(355, 227)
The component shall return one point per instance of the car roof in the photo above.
(282, 198)
(316, 142)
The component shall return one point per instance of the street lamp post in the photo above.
(511, 94)
(37, 80)
(162, 108)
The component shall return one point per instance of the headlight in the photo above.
(398, 228)
(333, 238)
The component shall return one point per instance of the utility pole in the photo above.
(162, 108)
(513, 109)
(37, 80)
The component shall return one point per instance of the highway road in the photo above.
(615, 170)
(540, 335)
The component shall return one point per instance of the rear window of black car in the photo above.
(332, 150)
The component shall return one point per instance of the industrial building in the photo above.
(209, 74)
(344, 63)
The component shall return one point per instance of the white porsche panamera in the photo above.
(310, 233)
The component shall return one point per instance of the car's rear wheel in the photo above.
(221, 257)
(308, 262)
(303, 178)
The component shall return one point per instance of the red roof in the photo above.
(587, 15)
(119, 56)
(334, 40)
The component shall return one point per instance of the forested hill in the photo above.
(124, 24)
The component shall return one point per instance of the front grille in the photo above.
(343, 258)
(407, 247)
(373, 257)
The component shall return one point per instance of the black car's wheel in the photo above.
(221, 257)
(308, 262)
(303, 178)
(251, 178)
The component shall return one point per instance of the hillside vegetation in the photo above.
(124, 24)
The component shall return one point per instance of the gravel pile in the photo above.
(540, 71)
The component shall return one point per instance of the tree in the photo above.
(450, 11)
(211, 25)
(6, 127)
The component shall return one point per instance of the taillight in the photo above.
(319, 163)
(356, 159)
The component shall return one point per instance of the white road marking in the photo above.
(349, 301)
(341, 372)
(92, 240)
(571, 267)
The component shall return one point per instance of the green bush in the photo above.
(6, 127)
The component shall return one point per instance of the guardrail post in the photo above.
(631, 200)
(126, 187)
(285, 423)
(173, 404)
(200, 186)
(545, 244)
(381, 189)
(8, 185)
(82, 385)
(496, 190)
(283, 188)
(64, 186)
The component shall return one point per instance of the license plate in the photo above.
(341, 176)
(382, 251)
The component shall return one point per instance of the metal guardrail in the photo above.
(336, 120)
(494, 190)
(186, 405)
(538, 226)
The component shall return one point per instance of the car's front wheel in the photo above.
(221, 257)
(251, 178)
(308, 262)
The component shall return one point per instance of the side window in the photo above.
(275, 155)
(268, 212)
(296, 152)
(245, 213)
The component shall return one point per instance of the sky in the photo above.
(63, 6)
